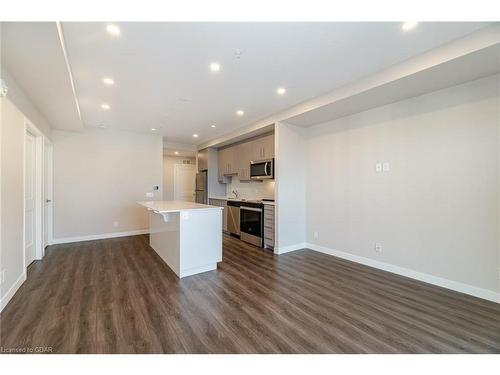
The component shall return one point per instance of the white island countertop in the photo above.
(186, 235)
(176, 206)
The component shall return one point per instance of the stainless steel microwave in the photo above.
(262, 169)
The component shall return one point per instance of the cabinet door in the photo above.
(224, 215)
(202, 158)
(236, 158)
(267, 144)
(244, 157)
(255, 150)
(221, 164)
(228, 160)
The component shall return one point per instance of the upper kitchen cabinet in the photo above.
(227, 163)
(262, 148)
(222, 165)
(231, 161)
(202, 158)
(244, 159)
(268, 146)
(235, 160)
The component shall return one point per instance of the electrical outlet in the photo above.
(316, 235)
(150, 195)
(378, 167)
(385, 167)
(115, 224)
(378, 247)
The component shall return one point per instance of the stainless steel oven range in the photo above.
(251, 223)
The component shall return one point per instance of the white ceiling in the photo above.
(32, 54)
(469, 67)
(163, 79)
(162, 71)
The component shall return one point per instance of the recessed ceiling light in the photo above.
(105, 106)
(153, 129)
(281, 91)
(214, 67)
(195, 135)
(408, 25)
(113, 30)
(239, 112)
(176, 152)
(108, 81)
(212, 126)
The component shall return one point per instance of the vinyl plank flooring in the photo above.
(117, 296)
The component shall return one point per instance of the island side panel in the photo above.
(164, 238)
(200, 240)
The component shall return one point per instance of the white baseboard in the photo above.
(287, 249)
(12, 290)
(435, 280)
(99, 236)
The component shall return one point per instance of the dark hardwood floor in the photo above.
(117, 296)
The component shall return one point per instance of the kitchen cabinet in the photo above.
(262, 148)
(268, 226)
(221, 203)
(202, 160)
(267, 144)
(235, 160)
(244, 158)
(227, 160)
(220, 165)
(223, 164)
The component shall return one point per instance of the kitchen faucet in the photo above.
(236, 194)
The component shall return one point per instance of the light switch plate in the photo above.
(378, 167)
(385, 167)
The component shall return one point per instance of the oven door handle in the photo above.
(251, 209)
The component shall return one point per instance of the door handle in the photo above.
(48, 200)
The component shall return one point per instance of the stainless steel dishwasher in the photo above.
(233, 217)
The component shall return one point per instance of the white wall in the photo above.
(14, 109)
(169, 163)
(290, 187)
(98, 177)
(215, 188)
(12, 199)
(437, 210)
(251, 189)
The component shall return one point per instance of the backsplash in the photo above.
(251, 189)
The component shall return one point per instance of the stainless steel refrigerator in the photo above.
(201, 188)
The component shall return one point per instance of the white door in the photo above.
(47, 194)
(184, 182)
(30, 201)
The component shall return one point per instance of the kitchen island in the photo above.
(186, 235)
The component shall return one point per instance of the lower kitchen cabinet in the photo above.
(268, 226)
(220, 203)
